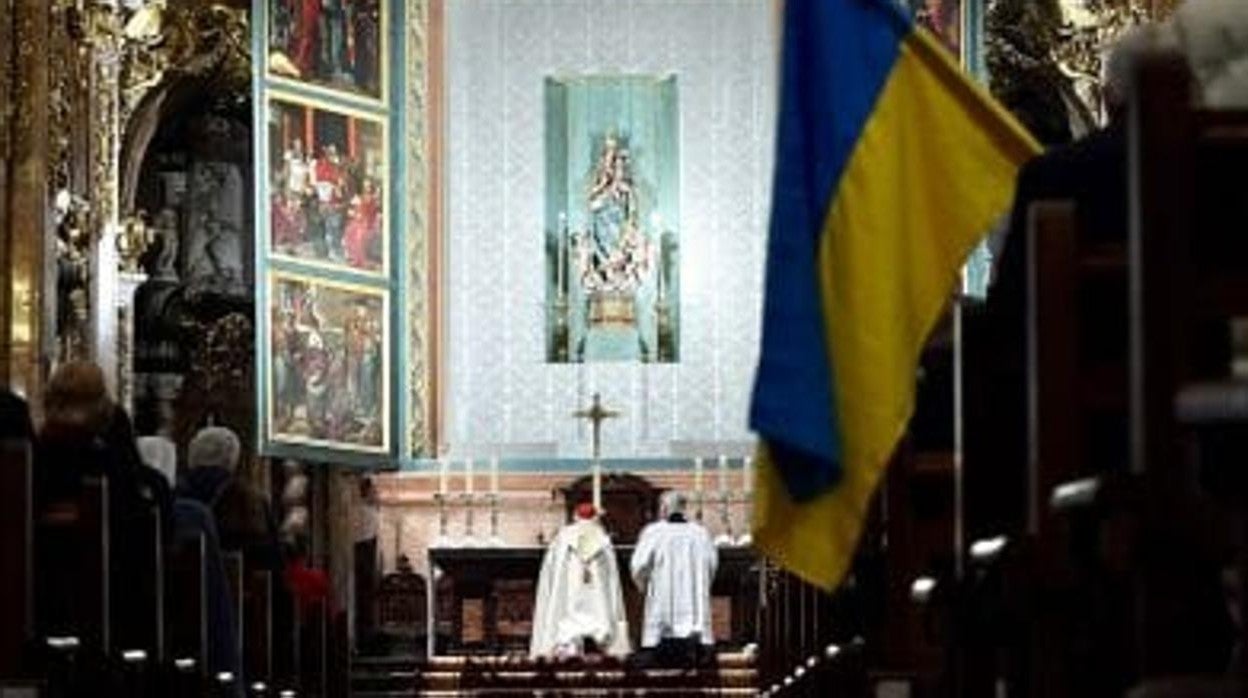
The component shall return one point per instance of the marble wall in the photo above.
(500, 395)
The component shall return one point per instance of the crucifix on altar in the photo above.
(596, 415)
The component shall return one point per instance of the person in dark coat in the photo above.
(14, 417)
(243, 516)
(85, 434)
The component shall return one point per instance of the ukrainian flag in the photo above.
(890, 165)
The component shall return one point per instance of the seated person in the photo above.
(674, 563)
(85, 434)
(242, 514)
(193, 519)
(14, 417)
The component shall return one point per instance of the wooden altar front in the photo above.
(491, 594)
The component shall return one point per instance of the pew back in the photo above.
(16, 551)
(73, 596)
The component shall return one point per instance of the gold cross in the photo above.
(596, 414)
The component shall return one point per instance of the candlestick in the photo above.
(722, 475)
(442, 473)
(659, 270)
(494, 475)
(697, 476)
(495, 539)
(468, 476)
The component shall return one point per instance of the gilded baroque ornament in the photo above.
(1044, 57)
(1089, 28)
(162, 41)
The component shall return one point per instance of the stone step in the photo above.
(582, 692)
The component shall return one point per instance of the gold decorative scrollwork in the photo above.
(1047, 55)
(193, 39)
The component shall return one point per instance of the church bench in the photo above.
(1189, 280)
(257, 626)
(313, 640)
(16, 552)
(186, 604)
(234, 574)
(137, 584)
(72, 596)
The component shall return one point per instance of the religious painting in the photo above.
(328, 367)
(327, 192)
(336, 45)
(612, 219)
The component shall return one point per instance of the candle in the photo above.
(468, 475)
(494, 475)
(697, 475)
(747, 475)
(442, 465)
(560, 256)
(723, 473)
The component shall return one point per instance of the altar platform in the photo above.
(734, 674)
(483, 602)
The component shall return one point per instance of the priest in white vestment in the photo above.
(578, 594)
(675, 562)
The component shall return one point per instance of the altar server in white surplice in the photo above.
(578, 594)
(674, 563)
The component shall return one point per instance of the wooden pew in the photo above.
(138, 579)
(1076, 411)
(1189, 277)
(186, 601)
(235, 576)
(73, 598)
(258, 627)
(16, 556)
(313, 641)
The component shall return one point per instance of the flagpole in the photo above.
(959, 443)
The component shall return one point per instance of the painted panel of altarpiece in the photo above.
(327, 186)
(328, 365)
(612, 198)
(340, 135)
(328, 45)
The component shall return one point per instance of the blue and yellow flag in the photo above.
(890, 165)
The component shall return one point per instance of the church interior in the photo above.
(387, 348)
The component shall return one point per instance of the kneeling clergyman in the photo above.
(579, 599)
(675, 562)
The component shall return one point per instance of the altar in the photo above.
(490, 597)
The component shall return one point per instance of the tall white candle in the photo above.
(494, 475)
(561, 259)
(723, 473)
(468, 475)
(747, 475)
(697, 475)
(442, 466)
